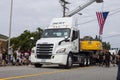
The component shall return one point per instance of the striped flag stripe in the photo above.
(101, 16)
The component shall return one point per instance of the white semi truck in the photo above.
(60, 43)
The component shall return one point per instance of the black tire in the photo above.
(83, 61)
(69, 63)
(37, 65)
(88, 61)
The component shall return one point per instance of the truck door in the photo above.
(75, 41)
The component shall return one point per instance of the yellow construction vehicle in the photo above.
(89, 44)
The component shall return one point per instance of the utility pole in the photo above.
(10, 23)
(63, 4)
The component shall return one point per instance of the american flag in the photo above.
(101, 16)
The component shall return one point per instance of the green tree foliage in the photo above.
(106, 45)
(24, 42)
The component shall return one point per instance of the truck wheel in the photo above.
(81, 61)
(88, 62)
(84, 62)
(69, 62)
(37, 65)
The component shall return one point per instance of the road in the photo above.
(55, 73)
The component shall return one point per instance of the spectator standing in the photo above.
(118, 73)
(3, 57)
(18, 57)
(0, 57)
(26, 58)
(101, 58)
(104, 62)
(0, 53)
(107, 58)
(10, 53)
(113, 59)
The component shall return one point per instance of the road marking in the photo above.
(39, 74)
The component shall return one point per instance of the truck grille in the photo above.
(44, 51)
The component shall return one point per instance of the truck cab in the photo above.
(58, 44)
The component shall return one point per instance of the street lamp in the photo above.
(32, 42)
(32, 38)
(10, 23)
(38, 33)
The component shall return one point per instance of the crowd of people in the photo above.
(17, 57)
(105, 58)
(14, 57)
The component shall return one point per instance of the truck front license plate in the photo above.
(43, 60)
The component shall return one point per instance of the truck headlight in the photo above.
(62, 50)
(33, 50)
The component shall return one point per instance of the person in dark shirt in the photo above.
(107, 58)
(118, 73)
(113, 59)
(3, 57)
(101, 58)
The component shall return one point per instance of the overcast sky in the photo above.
(31, 14)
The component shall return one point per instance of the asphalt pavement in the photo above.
(54, 72)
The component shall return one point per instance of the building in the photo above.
(3, 41)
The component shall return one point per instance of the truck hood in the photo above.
(49, 40)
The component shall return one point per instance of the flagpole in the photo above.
(10, 23)
(102, 6)
(102, 12)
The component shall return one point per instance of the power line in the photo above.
(96, 19)
(117, 10)
(115, 43)
(112, 36)
(87, 22)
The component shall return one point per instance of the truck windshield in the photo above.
(59, 32)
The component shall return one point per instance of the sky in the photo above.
(31, 14)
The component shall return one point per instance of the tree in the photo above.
(39, 32)
(106, 45)
(23, 41)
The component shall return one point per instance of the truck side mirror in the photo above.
(66, 40)
(99, 1)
